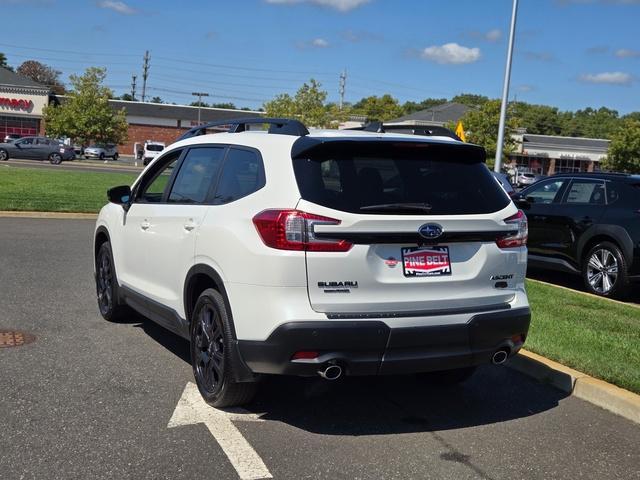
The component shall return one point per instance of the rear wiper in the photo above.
(402, 207)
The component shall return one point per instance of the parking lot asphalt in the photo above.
(77, 165)
(92, 399)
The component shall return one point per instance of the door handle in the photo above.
(145, 225)
(539, 218)
(190, 225)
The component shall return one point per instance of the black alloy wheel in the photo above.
(107, 286)
(4, 155)
(209, 349)
(211, 341)
(115, 156)
(55, 158)
(101, 156)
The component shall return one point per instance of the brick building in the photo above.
(165, 123)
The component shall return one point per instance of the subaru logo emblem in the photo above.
(430, 231)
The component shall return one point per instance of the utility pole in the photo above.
(145, 74)
(343, 82)
(133, 87)
(505, 89)
(199, 95)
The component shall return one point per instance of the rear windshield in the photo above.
(155, 148)
(399, 179)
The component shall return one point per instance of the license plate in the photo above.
(426, 261)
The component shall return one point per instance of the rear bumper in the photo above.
(373, 348)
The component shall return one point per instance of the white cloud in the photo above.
(340, 5)
(610, 78)
(525, 88)
(119, 7)
(493, 35)
(451, 53)
(319, 43)
(627, 53)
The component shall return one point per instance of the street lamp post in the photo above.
(505, 89)
(199, 95)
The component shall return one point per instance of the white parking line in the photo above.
(192, 409)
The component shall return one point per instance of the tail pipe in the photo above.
(500, 356)
(331, 372)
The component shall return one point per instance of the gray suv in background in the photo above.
(37, 148)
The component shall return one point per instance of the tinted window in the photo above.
(544, 192)
(586, 191)
(355, 176)
(197, 174)
(155, 148)
(27, 141)
(242, 174)
(154, 185)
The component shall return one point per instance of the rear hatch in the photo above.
(409, 228)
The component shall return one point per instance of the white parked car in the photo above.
(326, 253)
(101, 151)
(525, 178)
(151, 150)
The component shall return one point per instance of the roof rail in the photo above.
(425, 130)
(280, 126)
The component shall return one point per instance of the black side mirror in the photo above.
(521, 201)
(120, 196)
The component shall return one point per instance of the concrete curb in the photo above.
(614, 399)
(56, 215)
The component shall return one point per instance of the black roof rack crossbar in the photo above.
(425, 130)
(280, 126)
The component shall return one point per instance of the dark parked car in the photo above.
(503, 180)
(37, 148)
(587, 224)
(11, 137)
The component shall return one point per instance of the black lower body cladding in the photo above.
(372, 348)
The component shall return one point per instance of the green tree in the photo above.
(156, 100)
(410, 107)
(229, 105)
(3, 62)
(307, 105)
(378, 108)
(539, 119)
(592, 123)
(86, 116)
(199, 104)
(624, 149)
(41, 73)
(481, 127)
(126, 96)
(470, 99)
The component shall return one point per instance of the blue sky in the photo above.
(568, 53)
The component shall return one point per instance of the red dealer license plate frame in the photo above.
(423, 266)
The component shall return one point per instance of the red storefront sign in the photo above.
(15, 103)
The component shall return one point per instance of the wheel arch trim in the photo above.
(615, 232)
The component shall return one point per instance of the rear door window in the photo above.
(586, 191)
(198, 173)
(242, 174)
(545, 192)
(392, 178)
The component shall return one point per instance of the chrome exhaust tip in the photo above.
(332, 372)
(499, 357)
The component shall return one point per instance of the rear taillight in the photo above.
(518, 220)
(294, 230)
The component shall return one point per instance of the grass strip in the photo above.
(45, 190)
(592, 335)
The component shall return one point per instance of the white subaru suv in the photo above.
(326, 253)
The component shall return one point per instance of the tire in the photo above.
(101, 156)
(107, 287)
(86, 157)
(115, 156)
(4, 155)
(448, 377)
(211, 359)
(604, 271)
(55, 158)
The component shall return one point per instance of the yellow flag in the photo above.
(460, 131)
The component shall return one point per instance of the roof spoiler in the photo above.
(279, 126)
(424, 130)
